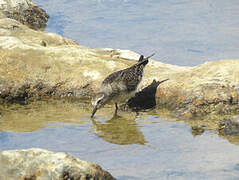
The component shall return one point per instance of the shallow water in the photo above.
(182, 32)
(147, 145)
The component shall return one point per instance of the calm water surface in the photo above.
(182, 32)
(148, 145)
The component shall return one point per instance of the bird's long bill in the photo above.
(93, 112)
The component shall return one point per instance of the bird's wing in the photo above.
(126, 79)
(131, 78)
(112, 78)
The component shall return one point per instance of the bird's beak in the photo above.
(93, 112)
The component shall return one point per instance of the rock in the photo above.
(49, 65)
(125, 54)
(39, 164)
(24, 11)
(230, 126)
(200, 90)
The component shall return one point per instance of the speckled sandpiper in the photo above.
(120, 85)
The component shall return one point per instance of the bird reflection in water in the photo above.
(119, 130)
(124, 130)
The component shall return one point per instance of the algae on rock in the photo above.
(24, 11)
(36, 64)
(39, 164)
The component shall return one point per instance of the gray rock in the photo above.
(39, 164)
(24, 11)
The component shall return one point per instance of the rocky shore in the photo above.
(35, 65)
(24, 11)
(35, 163)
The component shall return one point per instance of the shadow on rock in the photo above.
(144, 99)
(119, 130)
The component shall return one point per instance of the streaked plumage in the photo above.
(121, 85)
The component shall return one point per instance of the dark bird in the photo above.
(120, 85)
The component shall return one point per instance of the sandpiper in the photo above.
(120, 85)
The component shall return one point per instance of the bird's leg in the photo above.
(116, 108)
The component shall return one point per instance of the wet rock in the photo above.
(42, 164)
(201, 90)
(53, 66)
(25, 12)
(230, 126)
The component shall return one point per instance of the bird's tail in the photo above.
(144, 62)
(150, 56)
(141, 58)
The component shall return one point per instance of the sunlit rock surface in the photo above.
(210, 87)
(24, 11)
(42, 164)
(35, 64)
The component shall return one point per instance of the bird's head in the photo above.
(98, 101)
